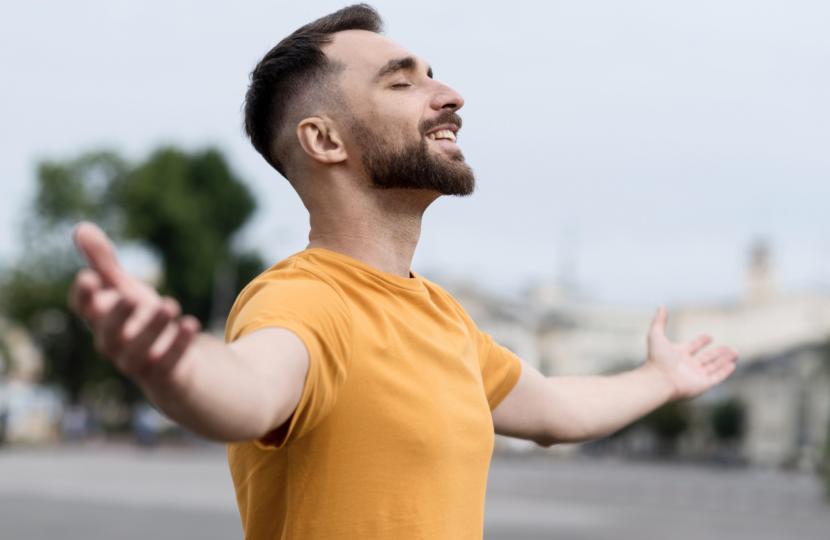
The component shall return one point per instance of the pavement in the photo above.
(537, 498)
(94, 493)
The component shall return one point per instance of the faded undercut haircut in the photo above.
(296, 78)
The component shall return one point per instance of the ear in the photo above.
(321, 140)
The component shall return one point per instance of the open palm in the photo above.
(141, 332)
(689, 368)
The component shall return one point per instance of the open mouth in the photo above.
(443, 133)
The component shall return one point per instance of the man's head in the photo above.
(336, 93)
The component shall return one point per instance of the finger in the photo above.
(99, 252)
(103, 301)
(109, 330)
(165, 341)
(726, 357)
(712, 356)
(136, 352)
(697, 344)
(84, 285)
(721, 374)
(188, 328)
(707, 357)
(658, 325)
(97, 248)
(168, 307)
(192, 323)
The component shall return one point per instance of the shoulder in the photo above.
(292, 289)
(292, 278)
(293, 272)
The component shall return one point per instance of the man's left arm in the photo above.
(577, 409)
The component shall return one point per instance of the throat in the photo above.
(387, 246)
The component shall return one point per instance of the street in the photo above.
(126, 493)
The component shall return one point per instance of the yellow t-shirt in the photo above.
(393, 435)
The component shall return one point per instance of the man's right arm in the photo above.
(227, 392)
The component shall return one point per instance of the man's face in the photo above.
(402, 121)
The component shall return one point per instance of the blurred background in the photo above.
(627, 154)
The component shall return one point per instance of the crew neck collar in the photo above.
(414, 283)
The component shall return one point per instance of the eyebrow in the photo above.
(407, 63)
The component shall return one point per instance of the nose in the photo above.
(446, 99)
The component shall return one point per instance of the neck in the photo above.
(381, 228)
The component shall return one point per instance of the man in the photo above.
(359, 399)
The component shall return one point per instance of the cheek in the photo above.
(395, 116)
(401, 110)
(398, 128)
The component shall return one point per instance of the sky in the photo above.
(637, 148)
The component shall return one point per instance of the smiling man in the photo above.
(360, 401)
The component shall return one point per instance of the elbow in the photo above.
(562, 434)
(545, 442)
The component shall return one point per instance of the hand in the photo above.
(141, 332)
(689, 371)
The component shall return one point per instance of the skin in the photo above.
(245, 389)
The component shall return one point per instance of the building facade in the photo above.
(783, 375)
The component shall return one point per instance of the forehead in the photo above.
(364, 53)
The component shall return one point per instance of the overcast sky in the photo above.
(653, 140)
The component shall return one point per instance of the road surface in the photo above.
(124, 493)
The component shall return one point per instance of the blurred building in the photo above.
(29, 412)
(783, 378)
(558, 332)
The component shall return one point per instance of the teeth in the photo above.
(442, 134)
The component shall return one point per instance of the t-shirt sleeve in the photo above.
(500, 369)
(314, 311)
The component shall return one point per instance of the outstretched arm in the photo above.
(225, 392)
(576, 409)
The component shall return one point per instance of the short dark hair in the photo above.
(296, 67)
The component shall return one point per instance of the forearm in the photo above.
(214, 392)
(230, 392)
(586, 408)
(576, 409)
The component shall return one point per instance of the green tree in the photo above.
(185, 207)
(668, 423)
(727, 420)
(34, 292)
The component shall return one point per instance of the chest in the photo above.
(414, 382)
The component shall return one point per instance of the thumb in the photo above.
(658, 325)
(98, 250)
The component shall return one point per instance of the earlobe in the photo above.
(320, 141)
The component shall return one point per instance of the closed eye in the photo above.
(401, 85)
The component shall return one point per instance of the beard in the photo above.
(413, 166)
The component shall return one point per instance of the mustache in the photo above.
(447, 117)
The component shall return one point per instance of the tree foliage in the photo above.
(728, 419)
(670, 421)
(186, 207)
